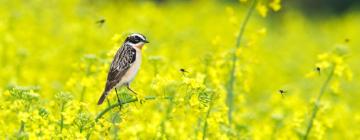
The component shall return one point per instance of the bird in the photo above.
(125, 65)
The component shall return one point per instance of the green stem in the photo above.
(110, 107)
(82, 94)
(168, 111)
(207, 116)
(116, 128)
(22, 128)
(62, 117)
(230, 86)
(102, 113)
(317, 102)
(22, 125)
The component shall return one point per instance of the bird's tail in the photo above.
(102, 98)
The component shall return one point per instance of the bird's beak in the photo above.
(145, 41)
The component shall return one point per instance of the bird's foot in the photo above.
(128, 87)
(140, 98)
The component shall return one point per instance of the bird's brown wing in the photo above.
(122, 61)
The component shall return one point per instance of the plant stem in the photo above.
(317, 102)
(230, 84)
(162, 125)
(207, 116)
(62, 117)
(116, 128)
(22, 128)
(102, 113)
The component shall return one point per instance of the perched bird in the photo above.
(125, 65)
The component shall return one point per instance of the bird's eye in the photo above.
(137, 39)
(134, 39)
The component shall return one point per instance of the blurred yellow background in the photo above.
(54, 57)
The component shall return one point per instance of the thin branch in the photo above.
(102, 113)
(207, 116)
(22, 128)
(230, 86)
(317, 102)
(110, 107)
(62, 117)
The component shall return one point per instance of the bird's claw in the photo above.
(140, 98)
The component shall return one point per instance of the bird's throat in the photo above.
(140, 46)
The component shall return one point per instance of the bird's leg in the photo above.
(118, 98)
(141, 100)
(128, 87)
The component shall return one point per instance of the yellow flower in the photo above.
(87, 81)
(323, 65)
(230, 10)
(262, 9)
(232, 18)
(24, 116)
(335, 86)
(32, 136)
(116, 38)
(71, 82)
(319, 130)
(6, 93)
(262, 31)
(79, 136)
(216, 40)
(323, 56)
(275, 5)
(339, 70)
(338, 60)
(218, 117)
(311, 74)
(111, 53)
(198, 82)
(246, 85)
(348, 74)
(194, 101)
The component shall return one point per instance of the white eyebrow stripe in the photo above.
(142, 37)
(139, 35)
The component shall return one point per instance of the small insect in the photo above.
(100, 22)
(183, 71)
(282, 92)
(347, 40)
(318, 70)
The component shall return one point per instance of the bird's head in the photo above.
(136, 40)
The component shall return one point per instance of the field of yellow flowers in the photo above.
(213, 70)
